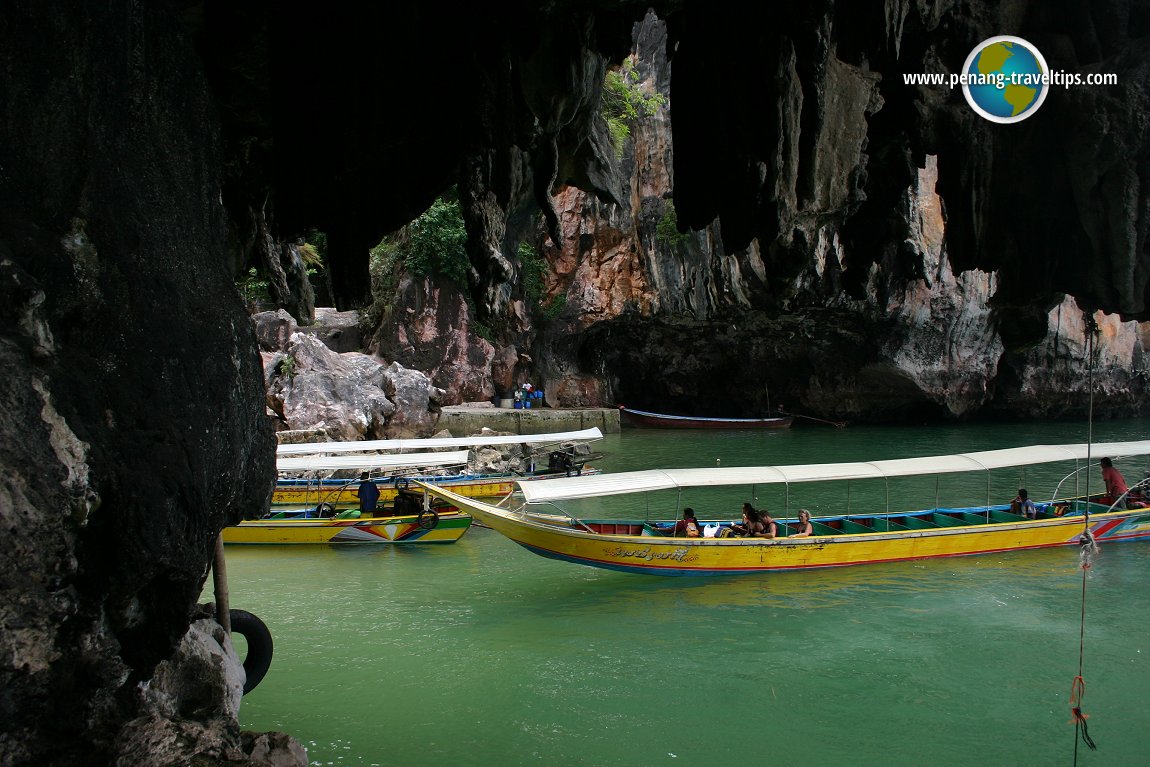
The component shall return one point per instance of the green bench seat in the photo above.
(945, 520)
(919, 522)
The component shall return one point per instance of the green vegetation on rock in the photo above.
(433, 245)
(532, 267)
(624, 102)
(436, 243)
(667, 230)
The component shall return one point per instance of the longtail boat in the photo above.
(638, 546)
(559, 458)
(344, 493)
(437, 443)
(409, 524)
(664, 421)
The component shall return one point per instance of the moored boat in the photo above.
(408, 524)
(665, 421)
(561, 455)
(847, 538)
(415, 445)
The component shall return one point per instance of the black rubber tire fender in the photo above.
(428, 519)
(325, 510)
(402, 483)
(259, 639)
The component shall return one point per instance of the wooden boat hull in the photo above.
(448, 528)
(663, 421)
(634, 552)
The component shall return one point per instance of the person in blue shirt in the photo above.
(368, 495)
(1023, 506)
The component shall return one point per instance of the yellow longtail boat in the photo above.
(560, 458)
(409, 524)
(642, 546)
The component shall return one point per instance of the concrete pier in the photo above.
(462, 420)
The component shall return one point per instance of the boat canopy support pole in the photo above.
(220, 584)
(988, 497)
(1074, 474)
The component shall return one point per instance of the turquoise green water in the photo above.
(482, 653)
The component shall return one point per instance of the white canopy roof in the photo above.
(541, 490)
(369, 462)
(311, 448)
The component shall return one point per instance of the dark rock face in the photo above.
(405, 100)
(129, 438)
(1056, 204)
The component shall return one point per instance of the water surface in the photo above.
(481, 653)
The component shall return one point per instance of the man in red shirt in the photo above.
(1115, 484)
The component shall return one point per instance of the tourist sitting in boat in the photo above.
(687, 527)
(751, 526)
(770, 527)
(805, 529)
(1023, 506)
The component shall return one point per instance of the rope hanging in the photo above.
(1088, 549)
(1077, 693)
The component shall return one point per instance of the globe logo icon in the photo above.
(1005, 79)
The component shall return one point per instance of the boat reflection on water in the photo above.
(833, 586)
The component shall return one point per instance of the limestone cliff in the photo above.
(132, 425)
(668, 320)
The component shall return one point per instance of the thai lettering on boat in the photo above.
(647, 553)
